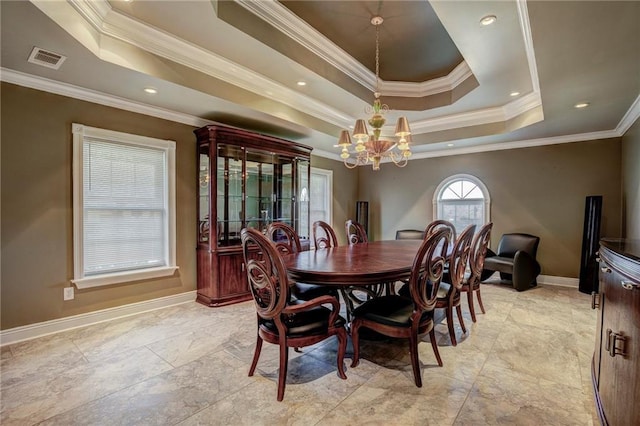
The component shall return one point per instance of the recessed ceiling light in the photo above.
(514, 94)
(151, 90)
(488, 20)
(581, 105)
(301, 83)
(449, 144)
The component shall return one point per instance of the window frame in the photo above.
(462, 176)
(328, 202)
(81, 281)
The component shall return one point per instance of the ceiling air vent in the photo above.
(46, 58)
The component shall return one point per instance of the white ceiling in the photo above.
(238, 63)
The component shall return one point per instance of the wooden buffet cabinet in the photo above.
(245, 179)
(616, 359)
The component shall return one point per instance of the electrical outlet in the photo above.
(68, 293)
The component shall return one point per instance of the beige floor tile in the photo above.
(527, 360)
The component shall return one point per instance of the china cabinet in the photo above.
(245, 179)
(616, 359)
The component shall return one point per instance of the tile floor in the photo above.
(525, 362)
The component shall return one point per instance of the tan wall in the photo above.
(345, 193)
(631, 181)
(538, 190)
(36, 205)
(37, 228)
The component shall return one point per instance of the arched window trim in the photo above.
(447, 181)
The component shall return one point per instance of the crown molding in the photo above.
(525, 26)
(525, 143)
(121, 27)
(629, 118)
(101, 19)
(427, 88)
(288, 23)
(83, 94)
(63, 89)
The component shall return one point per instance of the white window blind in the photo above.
(124, 222)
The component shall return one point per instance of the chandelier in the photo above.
(372, 148)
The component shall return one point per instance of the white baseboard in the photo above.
(31, 331)
(558, 281)
(551, 280)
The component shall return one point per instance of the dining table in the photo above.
(360, 264)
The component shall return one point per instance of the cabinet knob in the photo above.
(606, 269)
(629, 285)
(595, 300)
(614, 343)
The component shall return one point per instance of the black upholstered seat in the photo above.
(282, 320)
(516, 260)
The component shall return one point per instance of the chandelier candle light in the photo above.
(371, 147)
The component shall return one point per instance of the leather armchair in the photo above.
(515, 260)
(409, 234)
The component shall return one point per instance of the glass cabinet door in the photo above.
(204, 182)
(303, 203)
(284, 190)
(229, 194)
(259, 189)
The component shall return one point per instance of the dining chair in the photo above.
(401, 317)
(287, 241)
(354, 296)
(448, 296)
(281, 322)
(471, 283)
(356, 233)
(408, 234)
(439, 223)
(323, 235)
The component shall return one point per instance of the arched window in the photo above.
(462, 200)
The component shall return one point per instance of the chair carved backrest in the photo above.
(479, 248)
(427, 270)
(266, 274)
(459, 257)
(436, 224)
(323, 235)
(284, 237)
(409, 234)
(356, 233)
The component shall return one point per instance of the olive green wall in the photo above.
(37, 228)
(631, 181)
(538, 190)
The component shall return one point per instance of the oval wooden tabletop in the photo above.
(366, 263)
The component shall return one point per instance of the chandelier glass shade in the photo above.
(373, 147)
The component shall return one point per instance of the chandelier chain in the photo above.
(377, 58)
